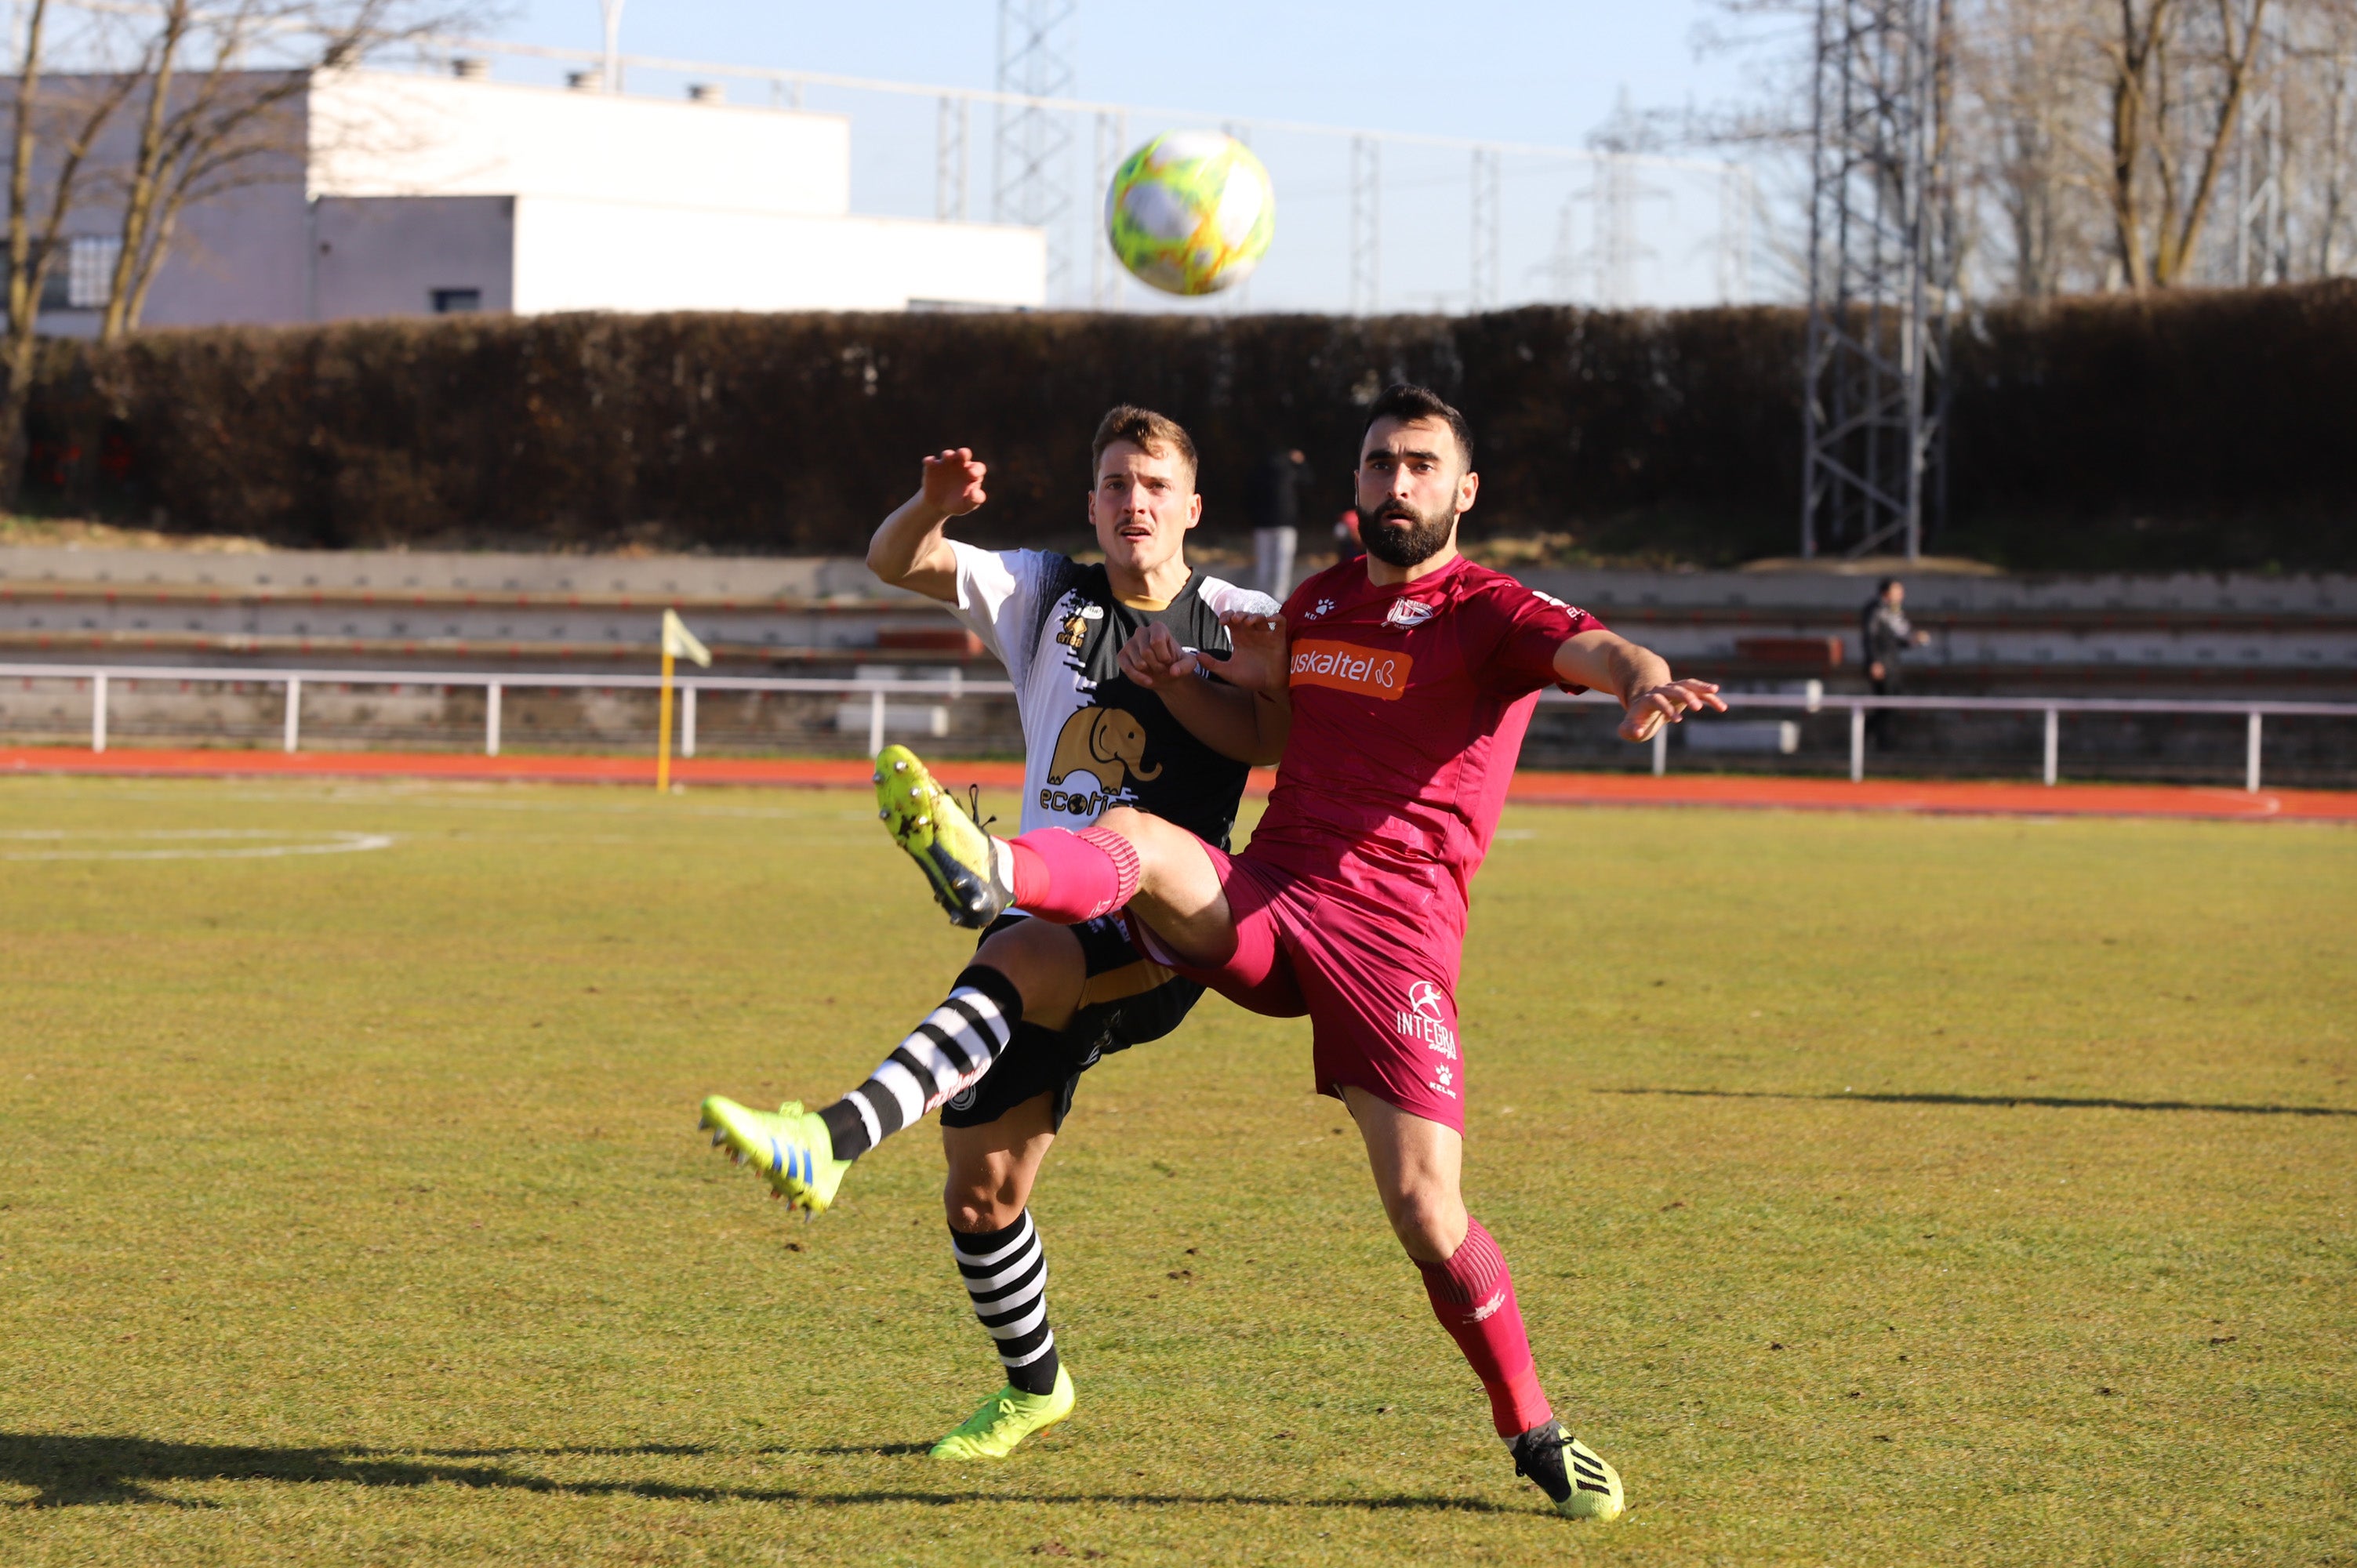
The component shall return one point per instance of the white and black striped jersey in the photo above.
(1091, 739)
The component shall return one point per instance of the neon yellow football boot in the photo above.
(1578, 1482)
(790, 1147)
(1005, 1419)
(971, 874)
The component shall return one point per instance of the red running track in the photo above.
(1756, 791)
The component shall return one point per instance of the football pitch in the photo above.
(1879, 1190)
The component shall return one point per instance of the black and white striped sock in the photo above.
(1005, 1274)
(952, 1048)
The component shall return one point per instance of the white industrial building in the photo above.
(409, 194)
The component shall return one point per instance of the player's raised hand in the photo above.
(1260, 662)
(1669, 703)
(953, 482)
(1152, 657)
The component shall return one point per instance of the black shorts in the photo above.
(1126, 1001)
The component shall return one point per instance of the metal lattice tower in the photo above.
(1486, 286)
(2262, 245)
(1106, 271)
(1615, 194)
(1615, 187)
(1029, 180)
(1874, 396)
(1561, 268)
(1366, 225)
(952, 136)
(1737, 198)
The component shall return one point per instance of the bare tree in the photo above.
(2113, 144)
(2017, 149)
(212, 122)
(43, 194)
(2179, 80)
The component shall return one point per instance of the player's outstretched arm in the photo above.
(1639, 677)
(1233, 718)
(909, 549)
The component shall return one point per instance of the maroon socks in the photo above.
(1068, 877)
(1474, 1296)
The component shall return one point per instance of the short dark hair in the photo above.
(1153, 434)
(1406, 401)
(1882, 589)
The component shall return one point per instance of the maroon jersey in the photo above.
(1409, 707)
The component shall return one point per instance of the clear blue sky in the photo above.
(1537, 70)
(1534, 72)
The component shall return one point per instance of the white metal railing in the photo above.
(879, 691)
(1815, 700)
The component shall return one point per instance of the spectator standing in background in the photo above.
(1274, 503)
(1887, 635)
(1275, 498)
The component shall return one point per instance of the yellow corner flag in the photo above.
(678, 642)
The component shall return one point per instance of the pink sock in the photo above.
(1474, 1296)
(1069, 878)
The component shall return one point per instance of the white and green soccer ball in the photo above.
(1191, 212)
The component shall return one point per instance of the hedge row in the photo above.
(2193, 431)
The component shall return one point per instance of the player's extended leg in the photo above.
(1129, 859)
(1418, 1164)
(1031, 970)
(998, 1255)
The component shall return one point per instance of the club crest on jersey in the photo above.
(1406, 613)
(1075, 629)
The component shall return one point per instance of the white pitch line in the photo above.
(335, 843)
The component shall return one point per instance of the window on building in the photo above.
(87, 272)
(457, 301)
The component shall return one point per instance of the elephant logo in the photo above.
(1105, 742)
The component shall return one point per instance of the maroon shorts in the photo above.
(1379, 991)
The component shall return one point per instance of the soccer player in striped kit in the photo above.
(1396, 688)
(1042, 1002)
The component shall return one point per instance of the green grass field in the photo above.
(1879, 1190)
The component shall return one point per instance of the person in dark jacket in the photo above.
(1887, 635)
(1275, 498)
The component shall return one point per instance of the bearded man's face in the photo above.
(1412, 486)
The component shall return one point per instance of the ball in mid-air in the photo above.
(1190, 212)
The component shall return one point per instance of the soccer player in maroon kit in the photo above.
(1396, 691)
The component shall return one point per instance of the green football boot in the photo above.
(1005, 1419)
(972, 873)
(1580, 1484)
(790, 1147)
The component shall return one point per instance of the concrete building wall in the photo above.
(396, 133)
(382, 256)
(395, 186)
(238, 259)
(596, 255)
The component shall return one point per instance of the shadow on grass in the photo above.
(2058, 1102)
(84, 1471)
